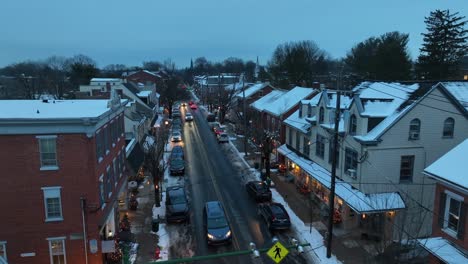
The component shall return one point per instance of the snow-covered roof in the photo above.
(345, 100)
(357, 200)
(288, 100)
(144, 94)
(266, 100)
(252, 90)
(237, 86)
(443, 250)
(105, 80)
(459, 91)
(297, 122)
(53, 109)
(452, 166)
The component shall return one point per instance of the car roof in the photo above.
(175, 189)
(214, 209)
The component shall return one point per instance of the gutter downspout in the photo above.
(85, 240)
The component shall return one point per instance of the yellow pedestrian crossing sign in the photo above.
(277, 252)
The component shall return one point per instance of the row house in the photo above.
(275, 112)
(67, 162)
(388, 134)
(449, 240)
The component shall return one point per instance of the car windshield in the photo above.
(177, 162)
(176, 134)
(217, 222)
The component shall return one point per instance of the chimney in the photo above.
(316, 85)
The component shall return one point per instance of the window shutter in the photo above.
(442, 199)
(462, 222)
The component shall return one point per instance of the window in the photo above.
(352, 125)
(351, 157)
(105, 132)
(415, 127)
(102, 197)
(449, 126)
(48, 151)
(298, 141)
(290, 136)
(99, 145)
(52, 204)
(331, 148)
(3, 250)
(300, 111)
(321, 115)
(306, 146)
(309, 111)
(320, 146)
(57, 250)
(452, 213)
(108, 182)
(406, 168)
(113, 133)
(116, 171)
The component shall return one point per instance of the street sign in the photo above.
(277, 252)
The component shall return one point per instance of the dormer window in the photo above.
(300, 111)
(309, 111)
(352, 125)
(415, 127)
(321, 115)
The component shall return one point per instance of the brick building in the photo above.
(449, 240)
(63, 173)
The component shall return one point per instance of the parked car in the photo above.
(193, 107)
(188, 117)
(258, 190)
(177, 206)
(223, 138)
(210, 117)
(275, 216)
(176, 136)
(177, 166)
(219, 131)
(217, 228)
(177, 152)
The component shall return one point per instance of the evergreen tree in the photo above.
(444, 46)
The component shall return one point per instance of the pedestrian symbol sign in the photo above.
(277, 252)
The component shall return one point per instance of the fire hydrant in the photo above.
(157, 252)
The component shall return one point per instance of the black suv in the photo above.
(258, 190)
(177, 206)
(275, 215)
(216, 224)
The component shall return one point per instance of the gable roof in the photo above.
(288, 100)
(261, 103)
(252, 89)
(452, 166)
(458, 91)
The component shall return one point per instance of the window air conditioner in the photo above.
(352, 173)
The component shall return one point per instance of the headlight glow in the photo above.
(210, 236)
(228, 234)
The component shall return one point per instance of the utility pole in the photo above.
(244, 115)
(331, 202)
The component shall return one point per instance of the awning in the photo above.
(443, 250)
(136, 157)
(357, 200)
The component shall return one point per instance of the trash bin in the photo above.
(155, 225)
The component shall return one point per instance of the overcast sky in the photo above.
(130, 32)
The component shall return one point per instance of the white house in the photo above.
(389, 133)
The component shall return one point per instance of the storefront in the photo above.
(353, 208)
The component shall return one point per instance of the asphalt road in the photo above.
(211, 176)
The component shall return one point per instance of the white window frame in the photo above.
(3, 245)
(52, 192)
(458, 198)
(62, 239)
(47, 167)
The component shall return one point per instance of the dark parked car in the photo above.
(275, 216)
(177, 206)
(216, 224)
(177, 152)
(258, 190)
(177, 166)
(210, 118)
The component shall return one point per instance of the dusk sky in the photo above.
(130, 32)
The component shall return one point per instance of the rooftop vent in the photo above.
(45, 100)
